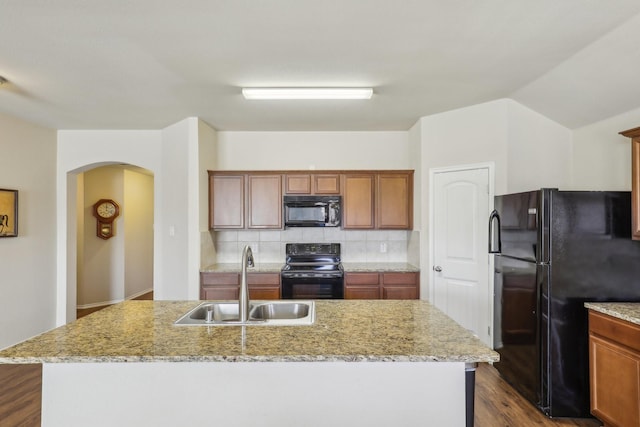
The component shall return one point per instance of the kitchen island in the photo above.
(360, 363)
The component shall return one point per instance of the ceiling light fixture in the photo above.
(307, 92)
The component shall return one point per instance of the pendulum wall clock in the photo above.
(105, 211)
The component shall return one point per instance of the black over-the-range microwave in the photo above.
(312, 211)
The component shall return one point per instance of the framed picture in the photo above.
(8, 213)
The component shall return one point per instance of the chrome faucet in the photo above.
(243, 301)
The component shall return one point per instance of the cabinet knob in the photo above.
(437, 268)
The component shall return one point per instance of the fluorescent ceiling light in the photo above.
(307, 92)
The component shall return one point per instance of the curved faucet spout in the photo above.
(243, 300)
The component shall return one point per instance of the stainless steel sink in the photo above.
(263, 313)
(284, 311)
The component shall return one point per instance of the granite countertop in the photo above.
(237, 267)
(348, 267)
(355, 267)
(345, 330)
(629, 311)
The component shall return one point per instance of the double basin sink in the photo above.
(264, 313)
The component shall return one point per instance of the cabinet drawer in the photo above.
(361, 278)
(625, 333)
(399, 278)
(263, 279)
(220, 279)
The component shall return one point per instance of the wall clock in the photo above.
(105, 211)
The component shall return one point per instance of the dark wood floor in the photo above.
(20, 395)
(497, 404)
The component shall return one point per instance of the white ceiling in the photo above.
(146, 64)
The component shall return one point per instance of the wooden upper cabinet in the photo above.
(370, 199)
(326, 183)
(634, 134)
(312, 183)
(394, 201)
(358, 200)
(297, 184)
(226, 201)
(265, 201)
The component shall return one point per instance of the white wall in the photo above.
(102, 279)
(28, 261)
(472, 135)
(80, 150)
(315, 151)
(312, 150)
(528, 151)
(207, 158)
(137, 230)
(601, 157)
(539, 151)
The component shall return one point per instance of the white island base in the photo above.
(261, 394)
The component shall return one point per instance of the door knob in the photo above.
(437, 268)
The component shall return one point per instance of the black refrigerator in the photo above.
(554, 251)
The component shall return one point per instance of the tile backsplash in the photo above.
(269, 246)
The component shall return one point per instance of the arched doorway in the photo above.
(113, 269)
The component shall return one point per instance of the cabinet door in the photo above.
(226, 201)
(358, 201)
(361, 292)
(326, 184)
(265, 286)
(265, 201)
(634, 134)
(615, 383)
(635, 189)
(614, 369)
(398, 285)
(394, 201)
(362, 286)
(298, 184)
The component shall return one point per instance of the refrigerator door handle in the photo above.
(495, 241)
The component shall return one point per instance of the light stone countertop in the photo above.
(345, 330)
(237, 267)
(629, 311)
(348, 267)
(357, 267)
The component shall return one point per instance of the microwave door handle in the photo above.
(494, 219)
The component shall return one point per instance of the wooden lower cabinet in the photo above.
(362, 286)
(264, 285)
(225, 286)
(388, 285)
(614, 369)
(400, 286)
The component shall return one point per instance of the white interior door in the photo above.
(460, 260)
